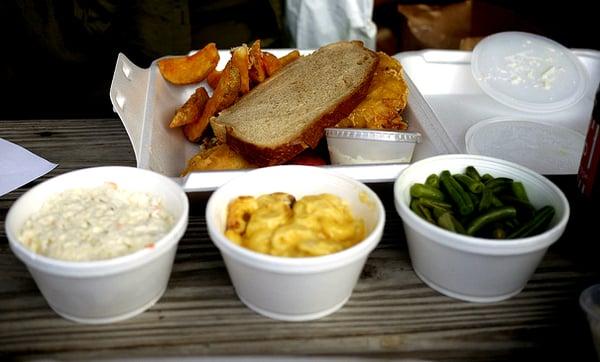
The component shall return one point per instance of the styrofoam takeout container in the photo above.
(473, 268)
(445, 80)
(360, 146)
(145, 103)
(102, 291)
(295, 289)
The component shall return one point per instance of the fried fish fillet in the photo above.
(216, 157)
(386, 98)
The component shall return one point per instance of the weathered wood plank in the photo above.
(391, 314)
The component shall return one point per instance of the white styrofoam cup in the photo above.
(295, 289)
(473, 268)
(110, 290)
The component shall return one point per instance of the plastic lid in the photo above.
(374, 135)
(528, 72)
(545, 148)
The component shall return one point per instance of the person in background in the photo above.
(313, 23)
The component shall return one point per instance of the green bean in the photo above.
(519, 191)
(486, 199)
(473, 173)
(458, 195)
(433, 180)
(540, 220)
(422, 190)
(498, 184)
(427, 213)
(414, 206)
(486, 178)
(475, 187)
(496, 201)
(445, 222)
(449, 222)
(437, 212)
(421, 210)
(524, 209)
(431, 203)
(474, 198)
(491, 216)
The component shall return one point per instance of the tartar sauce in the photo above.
(98, 223)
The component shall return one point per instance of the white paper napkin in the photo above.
(19, 166)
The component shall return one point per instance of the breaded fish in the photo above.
(386, 98)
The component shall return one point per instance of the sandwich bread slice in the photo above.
(289, 112)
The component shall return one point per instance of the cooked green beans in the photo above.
(487, 206)
(433, 180)
(490, 217)
(435, 204)
(422, 190)
(519, 191)
(474, 186)
(473, 173)
(457, 194)
(449, 222)
(486, 199)
(498, 184)
(537, 224)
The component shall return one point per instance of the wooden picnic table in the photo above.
(392, 314)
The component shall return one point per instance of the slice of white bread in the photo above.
(289, 112)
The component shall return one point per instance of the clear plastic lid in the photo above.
(545, 148)
(528, 72)
(373, 135)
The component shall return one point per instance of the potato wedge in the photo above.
(224, 95)
(289, 57)
(190, 69)
(272, 63)
(213, 78)
(257, 68)
(191, 109)
(239, 58)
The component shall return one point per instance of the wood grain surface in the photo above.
(391, 315)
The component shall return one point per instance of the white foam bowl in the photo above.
(102, 291)
(472, 268)
(295, 289)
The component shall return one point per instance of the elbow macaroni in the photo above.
(277, 224)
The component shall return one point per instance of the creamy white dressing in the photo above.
(96, 223)
(339, 157)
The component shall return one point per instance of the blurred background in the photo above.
(58, 57)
